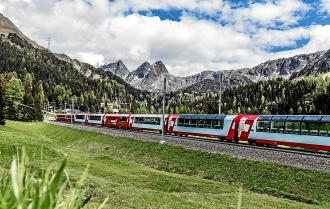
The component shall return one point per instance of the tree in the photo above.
(28, 114)
(39, 101)
(14, 94)
(2, 104)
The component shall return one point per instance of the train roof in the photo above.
(295, 118)
(203, 116)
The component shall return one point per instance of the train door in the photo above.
(233, 130)
(131, 119)
(171, 123)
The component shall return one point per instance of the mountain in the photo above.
(150, 77)
(318, 66)
(117, 68)
(62, 78)
(7, 27)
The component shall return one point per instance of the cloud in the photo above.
(271, 14)
(325, 6)
(97, 31)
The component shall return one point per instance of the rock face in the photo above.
(7, 27)
(118, 68)
(150, 77)
(318, 66)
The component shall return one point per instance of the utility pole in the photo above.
(220, 94)
(163, 115)
(49, 39)
(72, 108)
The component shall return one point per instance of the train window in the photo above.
(263, 126)
(80, 117)
(122, 119)
(208, 124)
(186, 122)
(157, 121)
(325, 129)
(309, 128)
(292, 127)
(138, 120)
(201, 123)
(218, 124)
(95, 117)
(193, 123)
(277, 127)
(180, 122)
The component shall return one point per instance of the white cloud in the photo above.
(99, 32)
(271, 13)
(325, 6)
(207, 6)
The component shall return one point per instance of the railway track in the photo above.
(202, 139)
(288, 156)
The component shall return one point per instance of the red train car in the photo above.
(65, 117)
(117, 120)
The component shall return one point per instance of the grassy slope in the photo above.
(137, 184)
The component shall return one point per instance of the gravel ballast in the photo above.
(312, 161)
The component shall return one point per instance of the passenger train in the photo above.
(305, 131)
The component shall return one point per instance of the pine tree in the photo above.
(39, 101)
(14, 94)
(28, 114)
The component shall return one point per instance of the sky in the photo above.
(189, 36)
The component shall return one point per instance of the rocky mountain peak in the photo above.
(158, 68)
(117, 68)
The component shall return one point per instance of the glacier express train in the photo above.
(306, 131)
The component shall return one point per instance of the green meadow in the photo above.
(136, 174)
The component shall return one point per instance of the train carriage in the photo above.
(80, 118)
(64, 117)
(117, 120)
(95, 119)
(215, 126)
(148, 122)
(312, 132)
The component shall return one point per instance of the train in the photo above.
(303, 131)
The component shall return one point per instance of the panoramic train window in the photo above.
(218, 124)
(208, 124)
(186, 122)
(80, 117)
(309, 128)
(263, 126)
(180, 122)
(122, 119)
(148, 120)
(95, 117)
(325, 129)
(201, 123)
(193, 123)
(277, 127)
(292, 127)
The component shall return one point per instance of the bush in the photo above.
(21, 188)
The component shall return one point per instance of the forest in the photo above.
(33, 79)
(278, 96)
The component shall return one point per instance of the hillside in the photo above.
(63, 78)
(135, 174)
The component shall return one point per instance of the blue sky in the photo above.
(189, 36)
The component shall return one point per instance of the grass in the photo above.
(23, 187)
(136, 174)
